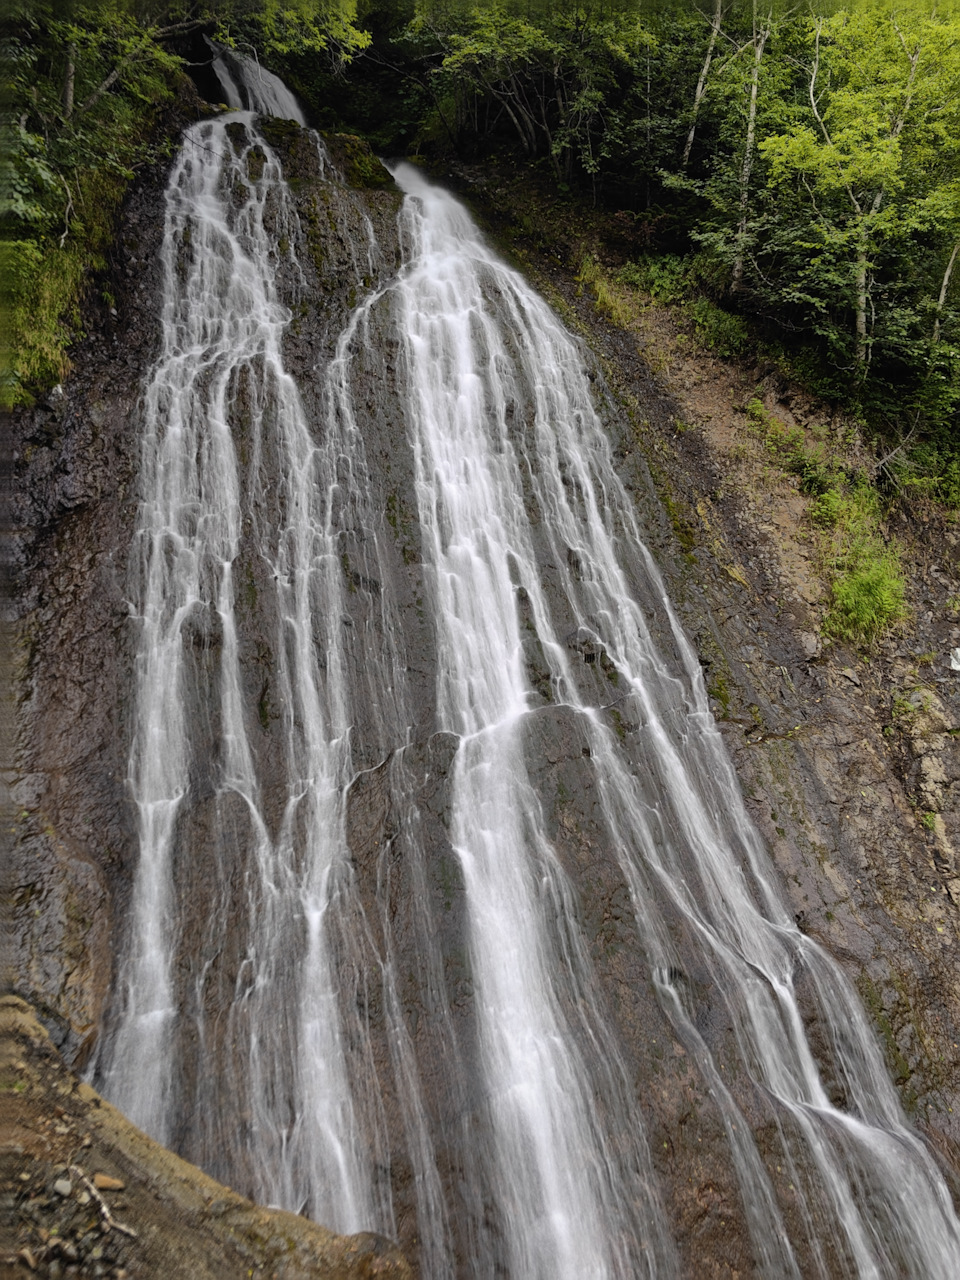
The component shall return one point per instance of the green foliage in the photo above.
(278, 30)
(718, 329)
(867, 598)
(930, 471)
(867, 591)
(867, 177)
(552, 72)
(665, 277)
(613, 301)
(671, 279)
(85, 84)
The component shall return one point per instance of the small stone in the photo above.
(811, 643)
(27, 1256)
(63, 1186)
(103, 1182)
(851, 675)
(83, 1198)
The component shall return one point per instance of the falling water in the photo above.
(282, 878)
(273, 1032)
(486, 358)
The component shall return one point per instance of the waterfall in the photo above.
(418, 1036)
(282, 869)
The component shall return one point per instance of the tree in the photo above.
(552, 75)
(869, 178)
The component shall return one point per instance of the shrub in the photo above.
(867, 596)
(665, 278)
(720, 330)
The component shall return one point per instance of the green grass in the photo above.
(867, 589)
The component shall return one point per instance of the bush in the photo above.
(720, 330)
(867, 592)
(665, 278)
(930, 471)
(867, 597)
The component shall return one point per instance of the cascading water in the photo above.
(420, 1027)
(281, 876)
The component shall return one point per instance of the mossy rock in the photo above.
(278, 132)
(359, 165)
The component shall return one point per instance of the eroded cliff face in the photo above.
(833, 794)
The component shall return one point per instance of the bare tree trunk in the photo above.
(69, 76)
(759, 40)
(702, 82)
(861, 348)
(945, 285)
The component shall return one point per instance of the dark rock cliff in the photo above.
(821, 779)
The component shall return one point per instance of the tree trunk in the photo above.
(945, 285)
(861, 350)
(702, 82)
(759, 40)
(69, 76)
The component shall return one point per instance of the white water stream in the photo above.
(295, 1131)
(514, 484)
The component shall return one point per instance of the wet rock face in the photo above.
(75, 511)
(827, 796)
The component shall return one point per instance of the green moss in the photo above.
(360, 166)
(315, 235)
(719, 690)
(682, 526)
(279, 133)
(896, 1062)
(256, 159)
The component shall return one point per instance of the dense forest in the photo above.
(788, 174)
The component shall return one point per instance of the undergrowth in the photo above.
(83, 97)
(867, 589)
(863, 570)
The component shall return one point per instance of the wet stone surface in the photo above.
(838, 773)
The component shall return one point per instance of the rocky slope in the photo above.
(84, 1193)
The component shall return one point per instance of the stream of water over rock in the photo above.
(437, 1039)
